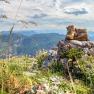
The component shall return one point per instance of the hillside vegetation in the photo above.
(29, 75)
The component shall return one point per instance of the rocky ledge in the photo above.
(76, 38)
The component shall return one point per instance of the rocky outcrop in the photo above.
(76, 38)
(86, 46)
(76, 34)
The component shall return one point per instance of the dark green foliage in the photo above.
(72, 53)
(56, 67)
(15, 68)
(65, 86)
(41, 56)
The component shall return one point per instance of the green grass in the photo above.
(13, 77)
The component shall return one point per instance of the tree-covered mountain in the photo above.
(30, 42)
(30, 45)
(22, 44)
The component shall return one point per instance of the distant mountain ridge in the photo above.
(40, 41)
(91, 35)
(29, 42)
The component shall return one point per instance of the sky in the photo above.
(46, 14)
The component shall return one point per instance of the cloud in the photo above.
(6, 1)
(73, 1)
(75, 11)
(47, 13)
(42, 15)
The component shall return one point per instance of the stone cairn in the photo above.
(76, 38)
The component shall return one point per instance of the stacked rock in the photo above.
(76, 38)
